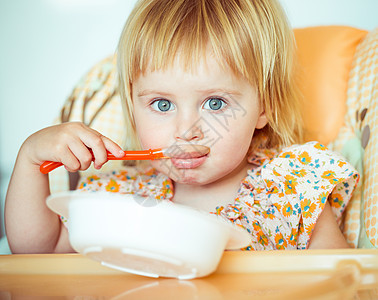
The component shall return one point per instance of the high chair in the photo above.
(337, 75)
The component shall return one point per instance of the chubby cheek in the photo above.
(150, 135)
(147, 139)
(229, 154)
(232, 150)
(237, 140)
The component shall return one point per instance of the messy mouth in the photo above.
(187, 156)
(189, 163)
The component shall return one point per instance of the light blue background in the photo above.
(47, 45)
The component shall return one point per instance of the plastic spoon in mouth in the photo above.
(176, 151)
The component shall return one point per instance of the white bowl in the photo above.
(146, 237)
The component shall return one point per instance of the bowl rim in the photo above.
(59, 203)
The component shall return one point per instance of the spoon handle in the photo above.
(48, 166)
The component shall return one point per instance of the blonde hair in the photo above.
(253, 38)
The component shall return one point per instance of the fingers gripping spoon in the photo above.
(176, 151)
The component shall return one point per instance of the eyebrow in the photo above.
(204, 91)
(220, 90)
(150, 92)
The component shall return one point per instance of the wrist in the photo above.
(27, 154)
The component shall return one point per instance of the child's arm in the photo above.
(327, 234)
(30, 226)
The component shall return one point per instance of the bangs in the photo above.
(186, 31)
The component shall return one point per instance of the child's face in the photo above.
(209, 106)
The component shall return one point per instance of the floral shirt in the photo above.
(279, 200)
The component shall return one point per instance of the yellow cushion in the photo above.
(325, 56)
(358, 142)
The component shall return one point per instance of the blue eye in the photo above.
(215, 104)
(162, 105)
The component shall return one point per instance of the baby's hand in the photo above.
(69, 143)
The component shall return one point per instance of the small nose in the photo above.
(189, 129)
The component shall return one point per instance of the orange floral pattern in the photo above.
(291, 189)
(131, 180)
(278, 202)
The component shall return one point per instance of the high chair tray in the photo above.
(231, 262)
(312, 274)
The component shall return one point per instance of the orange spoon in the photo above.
(187, 151)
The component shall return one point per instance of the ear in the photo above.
(262, 120)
